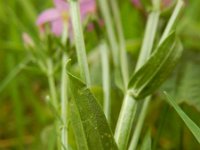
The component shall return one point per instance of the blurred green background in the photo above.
(24, 115)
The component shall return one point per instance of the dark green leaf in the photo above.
(158, 67)
(189, 123)
(90, 125)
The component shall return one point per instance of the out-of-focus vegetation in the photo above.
(25, 117)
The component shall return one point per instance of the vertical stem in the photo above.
(149, 44)
(64, 103)
(125, 121)
(110, 30)
(79, 40)
(172, 20)
(53, 97)
(122, 43)
(149, 37)
(130, 104)
(52, 86)
(106, 79)
(139, 124)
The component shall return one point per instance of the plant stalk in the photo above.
(139, 124)
(64, 103)
(104, 7)
(106, 79)
(125, 121)
(79, 41)
(122, 43)
(52, 86)
(167, 30)
(129, 104)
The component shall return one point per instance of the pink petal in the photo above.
(48, 16)
(57, 27)
(61, 5)
(87, 6)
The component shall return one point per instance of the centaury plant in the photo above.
(83, 52)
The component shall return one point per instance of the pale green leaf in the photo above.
(189, 123)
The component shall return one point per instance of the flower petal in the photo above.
(48, 16)
(87, 6)
(61, 5)
(57, 27)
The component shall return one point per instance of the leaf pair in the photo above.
(158, 67)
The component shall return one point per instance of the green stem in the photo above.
(52, 85)
(149, 37)
(79, 41)
(172, 20)
(139, 124)
(110, 30)
(125, 121)
(106, 79)
(53, 97)
(129, 104)
(149, 44)
(122, 43)
(64, 103)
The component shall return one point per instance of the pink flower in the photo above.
(60, 14)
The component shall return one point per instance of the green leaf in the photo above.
(90, 125)
(158, 67)
(189, 123)
(146, 144)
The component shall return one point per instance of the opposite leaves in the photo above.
(158, 67)
(91, 128)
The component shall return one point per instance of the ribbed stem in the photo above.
(106, 79)
(128, 103)
(79, 41)
(172, 20)
(125, 121)
(122, 42)
(64, 103)
(52, 85)
(110, 30)
(139, 124)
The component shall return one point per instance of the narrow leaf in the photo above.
(90, 119)
(189, 123)
(158, 67)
